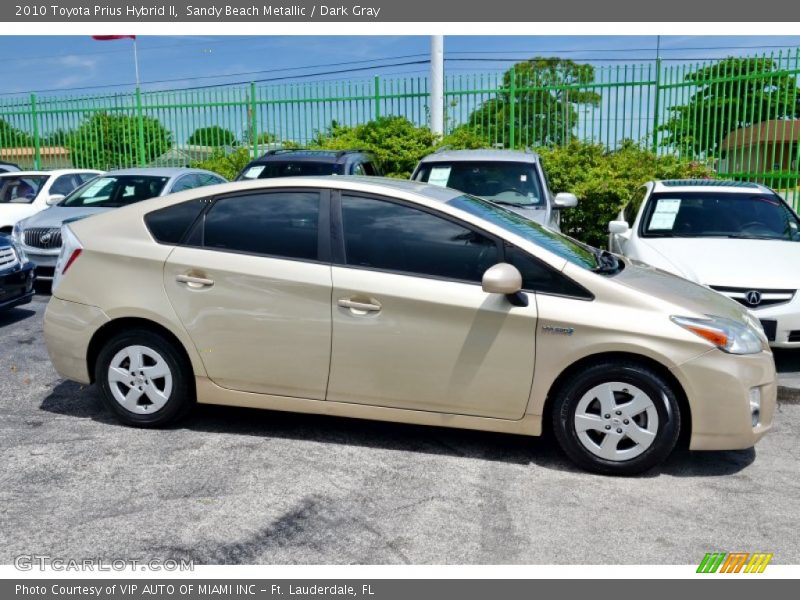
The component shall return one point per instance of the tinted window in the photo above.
(538, 277)
(64, 185)
(557, 243)
(21, 190)
(275, 224)
(508, 182)
(117, 190)
(169, 225)
(384, 235)
(84, 177)
(187, 182)
(632, 208)
(287, 169)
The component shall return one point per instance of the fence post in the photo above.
(253, 118)
(656, 105)
(140, 118)
(37, 143)
(512, 112)
(377, 97)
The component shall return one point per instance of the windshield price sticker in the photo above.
(665, 213)
(253, 172)
(439, 176)
(96, 187)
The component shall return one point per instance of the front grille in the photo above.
(8, 259)
(756, 298)
(794, 336)
(46, 238)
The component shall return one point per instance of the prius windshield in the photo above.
(557, 243)
(721, 214)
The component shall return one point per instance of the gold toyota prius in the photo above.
(401, 301)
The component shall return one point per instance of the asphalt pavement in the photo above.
(232, 486)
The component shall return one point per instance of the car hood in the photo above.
(682, 293)
(56, 216)
(730, 262)
(11, 213)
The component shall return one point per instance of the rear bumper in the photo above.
(16, 287)
(718, 389)
(68, 329)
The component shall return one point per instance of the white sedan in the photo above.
(738, 238)
(25, 193)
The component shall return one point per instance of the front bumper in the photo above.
(16, 286)
(788, 322)
(718, 387)
(45, 262)
(68, 329)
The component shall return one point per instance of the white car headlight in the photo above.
(726, 334)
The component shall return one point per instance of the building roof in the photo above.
(31, 151)
(766, 132)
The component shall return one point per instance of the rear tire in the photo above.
(145, 380)
(617, 418)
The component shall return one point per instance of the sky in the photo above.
(58, 65)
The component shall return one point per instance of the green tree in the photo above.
(729, 94)
(11, 137)
(212, 136)
(107, 141)
(603, 180)
(228, 165)
(396, 143)
(547, 92)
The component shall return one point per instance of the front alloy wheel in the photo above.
(617, 419)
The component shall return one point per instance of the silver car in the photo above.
(40, 235)
(512, 178)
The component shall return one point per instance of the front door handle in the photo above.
(359, 306)
(193, 282)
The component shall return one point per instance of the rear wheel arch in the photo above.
(627, 358)
(124, 324)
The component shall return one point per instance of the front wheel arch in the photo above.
(627, 357)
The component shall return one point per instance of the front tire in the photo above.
(145, 380)
(617, 418)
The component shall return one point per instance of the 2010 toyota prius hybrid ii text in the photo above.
(400, 301)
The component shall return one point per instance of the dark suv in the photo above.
(295, 163)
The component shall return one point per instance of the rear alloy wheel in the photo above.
(144, 379)
(617, 419)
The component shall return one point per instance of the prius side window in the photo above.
(392, 237)
(282, 224)
(538, 277)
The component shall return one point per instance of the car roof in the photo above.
(712, 185)
(159, 171)
(445, 155)
(53, 172)
(301, 155)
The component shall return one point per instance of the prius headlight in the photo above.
(726, 334)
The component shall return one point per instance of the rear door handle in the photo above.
(194, 282)
(362, 306)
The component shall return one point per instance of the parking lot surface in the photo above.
(244, 486)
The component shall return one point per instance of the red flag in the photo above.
(105, 38)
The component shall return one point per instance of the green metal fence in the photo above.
(739, 115)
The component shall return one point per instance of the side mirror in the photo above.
(565, 200)
(502, 278)
(618, 227)
(55, 199)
